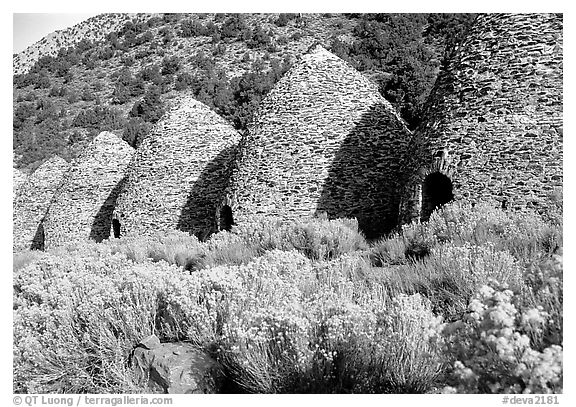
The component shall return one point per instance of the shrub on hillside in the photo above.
(99, 117)
(284, 18)
(150, 108)
(22, 112)
(150, 73)
(21, 81)
(73, 96)
(171, 17)
(105, 53)
(258, 38)
(192, 28)
(170, 65)
(42, 81)
(135, 131)
(126, 86)
(127, 60)
(87, 94)
(233, 26)
(145, 37)
(57, 91)
(183, 81)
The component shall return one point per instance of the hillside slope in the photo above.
(92, 29)
(118, 72)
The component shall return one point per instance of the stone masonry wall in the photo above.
(494, 118)
(18, 178)
(32, 201)
(82, 206)
(323, 140)
(179, 173)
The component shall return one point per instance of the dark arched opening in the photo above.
(436, 191)
(226, 218)
(116, 228)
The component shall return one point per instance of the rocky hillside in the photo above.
(119, 72)
(92, 29)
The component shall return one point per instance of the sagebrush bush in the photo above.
(317, 239)
(323, 328)
(388, 251)
(382, 346)
(74, 326)
(526, 235)
(178, 248)
(21, 259)
(304, 306)
(544, 289)
(226, 248)
(492, 352)
(418, 240)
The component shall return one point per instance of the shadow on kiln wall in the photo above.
(365, 176)
(102, 222)
(198, 216)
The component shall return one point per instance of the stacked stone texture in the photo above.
(82, 206)
(18, 178)
(179, 173)
(494, 118)
(32, 201)
(323, 140)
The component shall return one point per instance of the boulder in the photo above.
(150, 342)
(176, 368)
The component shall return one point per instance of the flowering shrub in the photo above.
(367, 348)
(418, 240)
(301, 307)
(544, 289)
(492, 352)
(176, 247)
(21, 259)
(227, 248)
(264, 342)
(451, 274)
(389, 251)
(524, 234)
(458, 222)
(317, 238)
(469, 265)
(73, 326)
